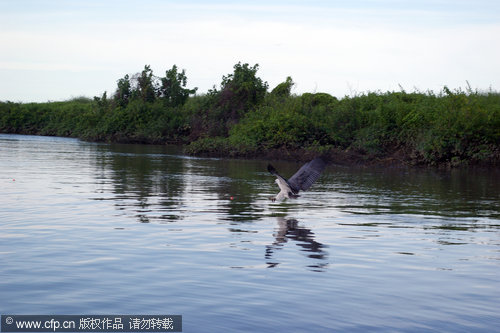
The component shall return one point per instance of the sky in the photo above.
(54, 50)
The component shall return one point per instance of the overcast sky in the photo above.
(59, 49)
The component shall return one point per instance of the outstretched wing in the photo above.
(273, 171)
(307, 175)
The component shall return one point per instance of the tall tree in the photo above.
(173, 87)
(146, 89)
(123, 91)
(241, 91)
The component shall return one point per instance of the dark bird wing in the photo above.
(273, 171)
(307, 175)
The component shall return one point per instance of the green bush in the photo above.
(242, 118)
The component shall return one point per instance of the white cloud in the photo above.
(333, 49)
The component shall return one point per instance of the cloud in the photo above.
(371, 45)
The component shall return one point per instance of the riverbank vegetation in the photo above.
(243, 117)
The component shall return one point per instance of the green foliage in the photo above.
(173, 89)
(146, 86)
(240, 92)
(311, 100)
(284, 89)
(102, 101)
(209, 146)
(242, 89)
(243, 119)
(451, 128)
(55, 118)
(123, 92)
(272, 127)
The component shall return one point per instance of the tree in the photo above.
(102, 101)
(123, 91)
(173, 87)
(146, 87)
(240, 92)
(283, 89)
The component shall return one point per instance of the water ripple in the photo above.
(97, 228)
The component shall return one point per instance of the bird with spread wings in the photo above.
(300, 181)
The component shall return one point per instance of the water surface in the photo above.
(91, 228)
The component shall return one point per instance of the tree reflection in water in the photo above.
(290, 229)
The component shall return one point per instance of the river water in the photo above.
(90, 228)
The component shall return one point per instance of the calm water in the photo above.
(129, 229)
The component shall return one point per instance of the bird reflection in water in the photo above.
(289, 229)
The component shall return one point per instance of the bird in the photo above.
(300, 181)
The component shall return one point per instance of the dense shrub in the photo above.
(243, 119)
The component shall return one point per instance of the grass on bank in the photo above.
(244, 119)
